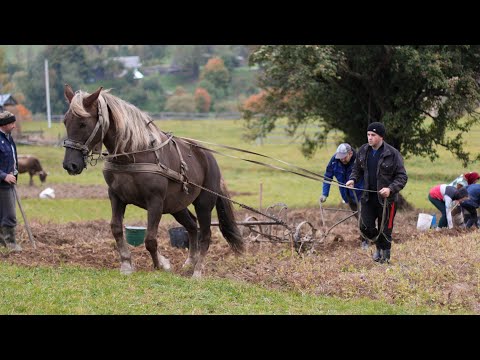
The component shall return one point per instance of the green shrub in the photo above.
(181, 103)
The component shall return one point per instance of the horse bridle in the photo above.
(85, 148)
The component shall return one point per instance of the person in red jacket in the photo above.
(442, 196)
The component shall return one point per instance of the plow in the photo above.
(273, 227)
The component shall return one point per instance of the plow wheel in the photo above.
(304, 237)
(279, 210)
(251, 232)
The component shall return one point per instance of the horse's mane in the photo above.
(133, 131)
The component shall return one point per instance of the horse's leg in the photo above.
(188, 221)
(154, 216)
(116, 224)
(204, 205)
(31, 179)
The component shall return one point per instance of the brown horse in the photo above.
(150, 169)
(30, 164)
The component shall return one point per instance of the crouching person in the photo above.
(471, 204)
(8, 179)
(442, 197)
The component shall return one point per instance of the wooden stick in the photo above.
(30, 236)
(321, 213)
(260, 197)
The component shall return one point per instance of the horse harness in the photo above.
(157, 168)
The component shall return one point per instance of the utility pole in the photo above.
(47, 88)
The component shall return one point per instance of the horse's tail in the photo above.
(226, 220)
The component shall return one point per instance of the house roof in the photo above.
(7, 99)
(130, 62)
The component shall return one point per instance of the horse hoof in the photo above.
(126, 269)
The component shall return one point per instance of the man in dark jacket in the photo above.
(8, 179)
(381, 167)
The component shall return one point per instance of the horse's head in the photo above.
(82, 125)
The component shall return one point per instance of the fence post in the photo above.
(260, 196)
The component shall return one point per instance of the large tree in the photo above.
(421, 93)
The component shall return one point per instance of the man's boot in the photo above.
(364, 243)
(2, 237)
(9, 237)
(385, 256)
(377, 256)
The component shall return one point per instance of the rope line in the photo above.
(323, 178)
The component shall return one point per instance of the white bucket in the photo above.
(424, 221)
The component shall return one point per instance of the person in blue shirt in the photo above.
(471, 205)
(8, 179)
(340, 166)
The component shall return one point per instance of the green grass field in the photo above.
(77, 291)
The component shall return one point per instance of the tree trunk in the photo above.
(403, 204)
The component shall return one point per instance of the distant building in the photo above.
(6, 99)
(130, 62)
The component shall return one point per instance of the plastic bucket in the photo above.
(424, 221)
(135, 235)
(178, 237)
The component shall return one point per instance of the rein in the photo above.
(314, 177)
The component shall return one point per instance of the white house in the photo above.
(6, 99)
(130, 62)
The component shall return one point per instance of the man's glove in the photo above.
(323, 198)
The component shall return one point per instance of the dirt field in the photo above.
(435, 269)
